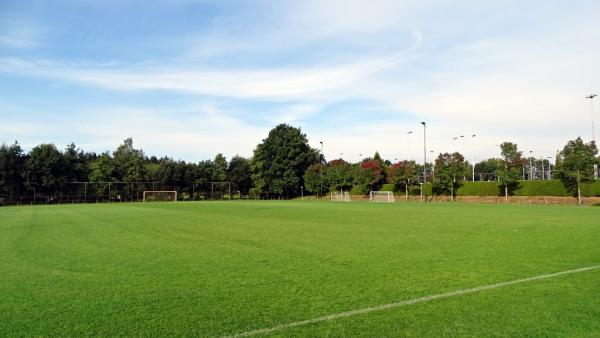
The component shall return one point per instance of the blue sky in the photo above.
(190, 79)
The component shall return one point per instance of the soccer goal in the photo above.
(381, 196)
(159, 196)
(340, 196)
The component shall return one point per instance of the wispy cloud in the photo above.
(270, 84)
(19, 35)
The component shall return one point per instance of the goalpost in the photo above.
(159, 196)
(381, 196)
(340, 196)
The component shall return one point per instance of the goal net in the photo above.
(381, 196)
(340, 196)
(160, 196)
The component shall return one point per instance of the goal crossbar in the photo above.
(340, 196)
(381, 196)
(159, 195)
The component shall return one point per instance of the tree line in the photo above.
(283, 165)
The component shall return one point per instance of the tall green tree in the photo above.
(575, 164)
(280, 162)
(44, 171)
(12, 163)
(315, 179)
(77, 163)
(102, 169)
(450, 170)
(203, 176)
(509, 172)
(339, 175)
(220, 166)
(404, 175)
(485, 170)
(240, 175)
(129, 162)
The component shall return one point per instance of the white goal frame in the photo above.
(146, 194)
(381, 196)
(341, 196)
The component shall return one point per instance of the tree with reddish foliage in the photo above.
(369, 175)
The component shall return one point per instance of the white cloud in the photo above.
(268, 84)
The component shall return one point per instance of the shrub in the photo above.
(358, 190)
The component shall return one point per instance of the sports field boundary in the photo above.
(408, 302)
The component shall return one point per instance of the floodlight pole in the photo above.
(424, 152)
(321, 172)
(432, 165)
(591, 97)
(408, 143)
(473, 164)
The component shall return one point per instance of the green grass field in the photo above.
(223, 268)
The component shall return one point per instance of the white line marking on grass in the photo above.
(407, 302)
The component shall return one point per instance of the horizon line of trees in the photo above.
(283, 165)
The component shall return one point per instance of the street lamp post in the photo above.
(549, 168)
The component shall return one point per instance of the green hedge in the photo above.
(591, 189)
(527, 188)
(478, 189)
(541, 188)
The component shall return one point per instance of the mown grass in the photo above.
(220, 268)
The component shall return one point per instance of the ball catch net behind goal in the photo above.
(160, 196)
(381, 196)
(340, 196)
